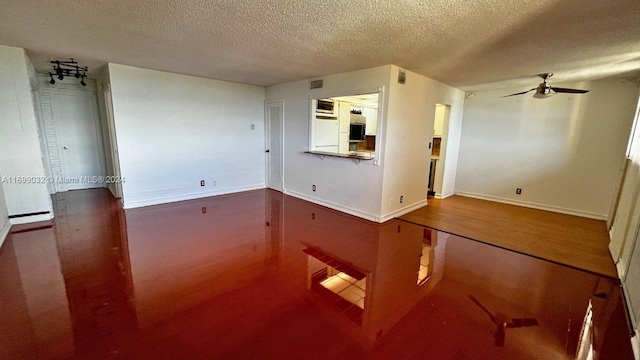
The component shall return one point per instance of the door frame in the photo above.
(438, 176)
(267, 154)
(62, 186)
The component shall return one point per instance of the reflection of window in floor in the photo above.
(340, 284)
(345, 286)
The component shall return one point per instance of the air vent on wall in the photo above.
(316, 84)
(402, 77)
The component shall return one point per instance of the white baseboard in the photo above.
(30, 219)
(131, 204)
(438, 196)
(4, 231)
(356, 212)
(535, 206)
(404, 210)
(621, 268)
(344, 209)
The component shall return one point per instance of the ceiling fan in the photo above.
(544, 90)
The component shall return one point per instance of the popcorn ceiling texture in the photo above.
(463, 43)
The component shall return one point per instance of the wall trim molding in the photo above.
(356, 212)
(149, 201)
(31, 219)
(344, 209)
(621, 268)
(441, 197)
(405, 210)
(635, 344)
(4, 232)
(535, 206)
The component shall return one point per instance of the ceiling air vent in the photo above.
(402, 77)
(316, 84)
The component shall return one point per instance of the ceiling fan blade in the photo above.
(520, 93)
(565, 90)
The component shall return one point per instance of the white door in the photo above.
(274, 118)
(79, 141)
(116, 186)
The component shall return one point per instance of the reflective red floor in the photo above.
(259, 275)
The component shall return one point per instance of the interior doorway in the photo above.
(71, 135)
(439, 149)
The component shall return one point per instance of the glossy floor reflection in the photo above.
(259, 275)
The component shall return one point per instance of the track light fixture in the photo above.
(68, 68)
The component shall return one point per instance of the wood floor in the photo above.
(568, 240)
(262, 275)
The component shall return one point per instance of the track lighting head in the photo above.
(68, 68)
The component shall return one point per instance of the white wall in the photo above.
(409, 129)
(370, 189)
(175, 130)
(565, 152)
(450, 147)
(20, 152)
(340, 183)
(624, 245)
(439, 120)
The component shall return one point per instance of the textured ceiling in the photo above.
(464, 43)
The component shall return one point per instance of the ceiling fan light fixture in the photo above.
(543, 96)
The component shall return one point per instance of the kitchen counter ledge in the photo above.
(352, 155)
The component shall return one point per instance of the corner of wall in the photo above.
(5, 225)
(635, 344)
(20, 150)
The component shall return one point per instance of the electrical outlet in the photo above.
(253, 126)
(313, 187)
(401, 199)
(201, 182)
(518, 191)
(215, 183)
